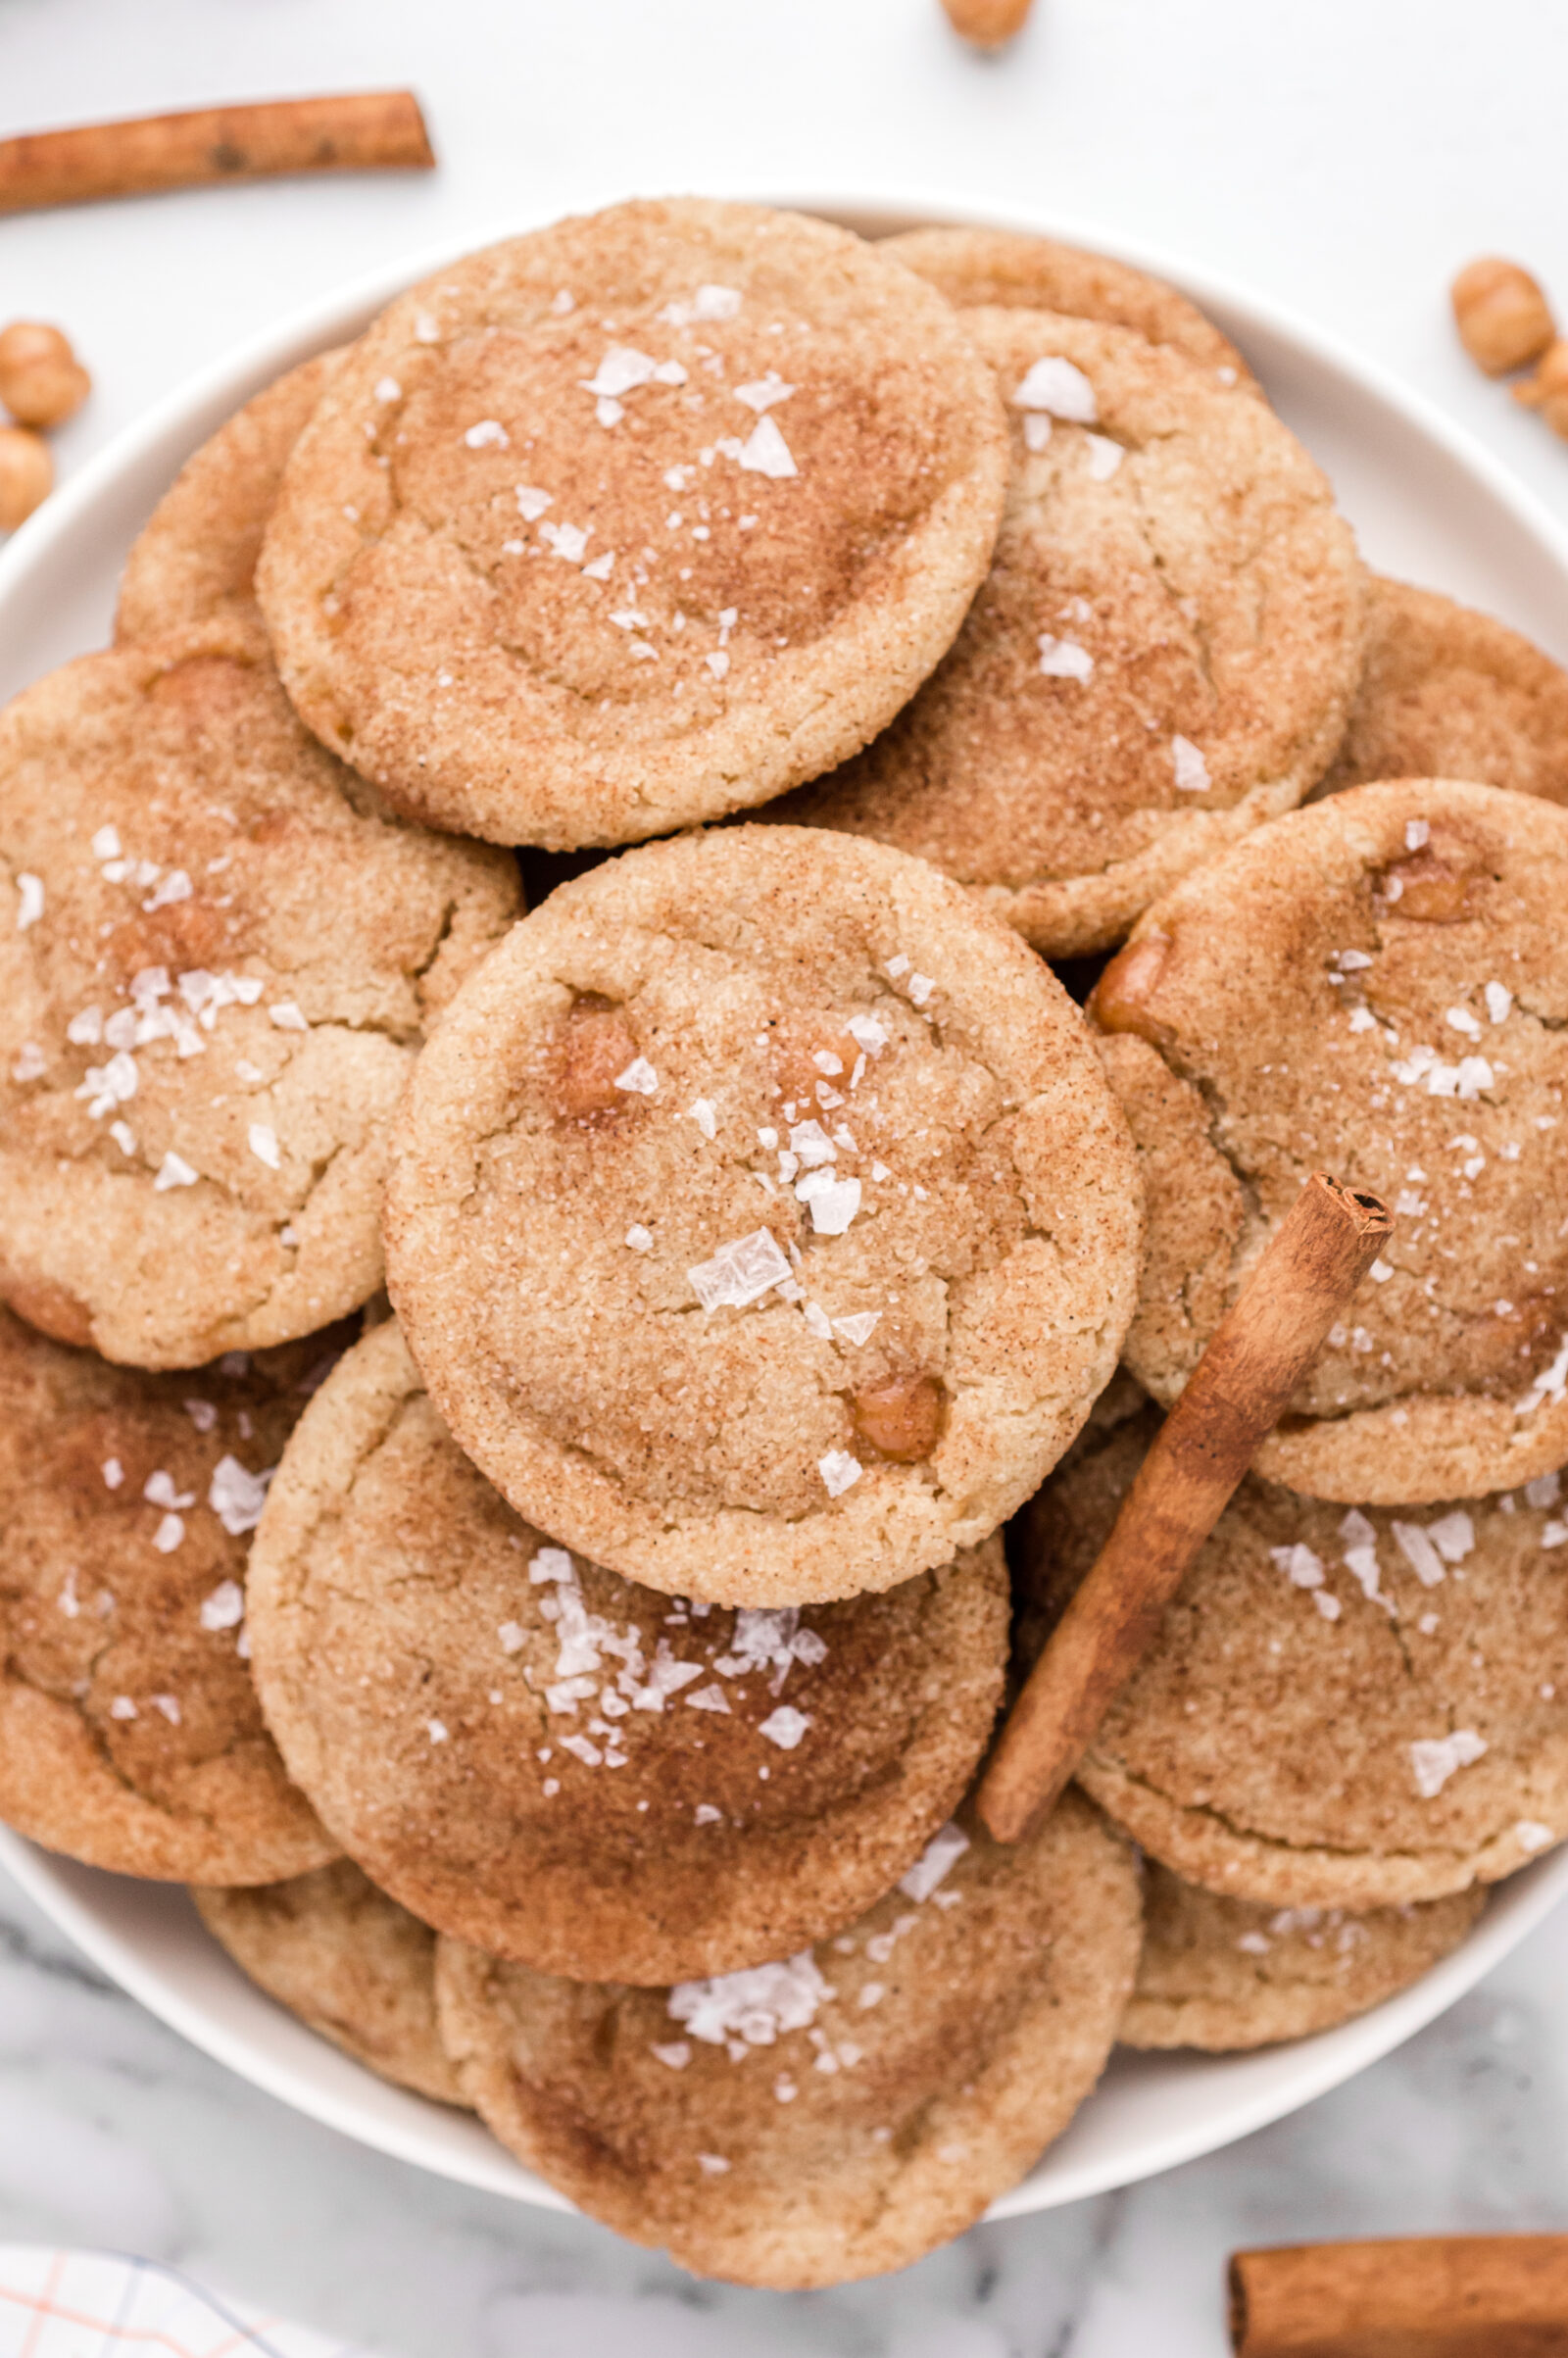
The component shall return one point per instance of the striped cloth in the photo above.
(97, 2304)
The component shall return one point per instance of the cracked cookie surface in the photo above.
(837, 2114)
(1376, 987)
(761, 1219)
(1006, 269)
(1448, 693)
(130, 1735)
(194, 560)
(633, 521)
(561, 1766)
(1341, 1708)
(349, 1962)
(1227, 1974)
(1161, 656)
(218, 955)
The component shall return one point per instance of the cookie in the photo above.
(130, 1735)
(1375, 987)
(633, 521)
(218, 956)
(838, 2114)
(555, 1764)
(348, 1961)
(194, 560)
(1161, 656)
(761, 1219)
(1448, 693)
(1005, 269)
(1225, 1973)
(1343, 1708)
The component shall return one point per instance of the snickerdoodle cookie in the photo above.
(760, 1218)
(1008, 269)
(1341, 1708)
(1225, 1973)
(129, 1730)
(218, 956)
(555, 1764)
(194, 560)
(632, 521)
(348, 1961)
(1376, 987)
(1163, 654)
(839, 2113)
(1448, 693)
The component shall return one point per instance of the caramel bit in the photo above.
(1432, 884)
(207, 687)
(797, 1046)
(900, 1418)
(595, 1048)
(1119, 1001)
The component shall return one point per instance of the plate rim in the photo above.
(1327, 2059)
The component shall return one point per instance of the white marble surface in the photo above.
(1343, 159)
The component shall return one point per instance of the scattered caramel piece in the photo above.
(804, 1054)
(1547, 389)
(27, 476)
(596, 1046)
(1119, 1001)
(988, 23)
(902, 1417)
(1501, 314)
(1432, 884)
(42, 380)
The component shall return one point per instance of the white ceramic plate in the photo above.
(1428, 505)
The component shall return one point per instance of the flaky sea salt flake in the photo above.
(935, 1863)
(784, 1726)
(1056, 386)
(740, 1273)
(1064, 658)
(236, 1495)
(174, 1171)
(1435, 1759)
(839, 1471)
(30, 899)
(1192, 770)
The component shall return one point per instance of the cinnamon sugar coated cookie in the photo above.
(1162, 656)
(130, 1735)
(836, 2114)
(1448, 693)
(1225, 1973)
(218, 955)
(1376, 987)
(1003, 266)
(194, 560)
(1348, 1708)
(760, 1220)
(348, 1961)
(555, 1764)
(632, 521)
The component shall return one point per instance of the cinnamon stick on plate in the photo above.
(1434, 2297)
(1263, 1346)
(358, 130)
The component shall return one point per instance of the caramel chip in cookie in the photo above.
(194, 560)
(130, 1735)
(1350, 1709)
(632, 521)
(1226, 1973)
(1376, 987)
(761, 1221)
(555, 1764)
(348, 1961)
(1003, 267)
(1448, 693)
(218, 953)
(1161, 656)
(836, 2114)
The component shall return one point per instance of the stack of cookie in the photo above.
(563, 1693)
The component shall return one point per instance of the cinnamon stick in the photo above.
(1259, 1352)
(356, 131)
(1436, 2296)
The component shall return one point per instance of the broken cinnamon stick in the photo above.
(356, 131)
(1259, 1352)
(1435, 2297)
